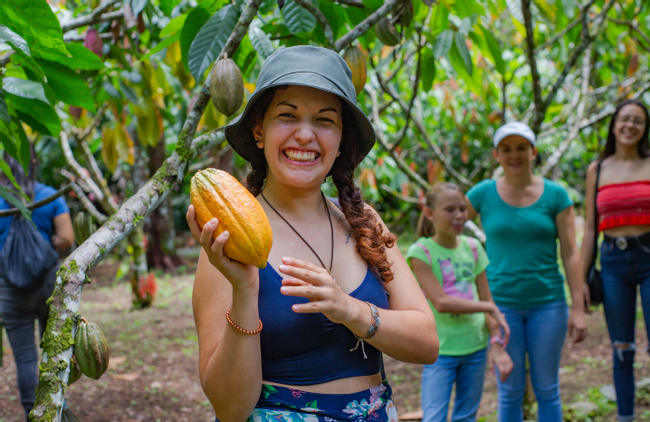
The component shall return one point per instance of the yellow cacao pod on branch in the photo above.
(215, 193)
(356, 60)
(227, 86)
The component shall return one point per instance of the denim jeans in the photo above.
(438, 379)
(19, 311)
(538, 332)
(624, 273)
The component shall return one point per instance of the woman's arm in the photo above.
(589, 236)
(574, 274)
(471, 212)
(230, 362)
(63, 234)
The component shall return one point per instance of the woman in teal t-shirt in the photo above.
(450, 268)
(523, 215)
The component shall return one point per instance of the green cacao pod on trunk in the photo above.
(68, 416)
(356, 60)
(75, 372)
(83, 226)
(91, 349)
(226, 86)
(386, 32)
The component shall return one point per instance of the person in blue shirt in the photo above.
(302, 338)
(523, 216)
(21, 307)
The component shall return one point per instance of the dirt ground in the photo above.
(153, 370)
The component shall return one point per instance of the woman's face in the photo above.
(300, 134)
(629, 125)
(515, 154)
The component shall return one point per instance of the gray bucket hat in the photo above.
(304, 65)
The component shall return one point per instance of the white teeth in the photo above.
(300, 155)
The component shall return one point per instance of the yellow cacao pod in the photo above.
(226, 86)
(215, 193)
(356, 60)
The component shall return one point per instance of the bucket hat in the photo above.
(311, 66)
(514, 128)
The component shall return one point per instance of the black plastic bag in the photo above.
(26, 257)
(595, 283)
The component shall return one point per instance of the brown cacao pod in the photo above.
(91, 349)
(386, 32)
(68, 416)
(75, 372)
(356, 60)
(83, 226)
(215, 193)
(406, 13)
(226, 86)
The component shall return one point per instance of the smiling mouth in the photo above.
(301, 156)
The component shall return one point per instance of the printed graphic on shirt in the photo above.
(453, 286)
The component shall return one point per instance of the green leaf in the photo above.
(35, 21)
(245, 57)
(175, 25)
(427, 69)
(546, 9)
(459, 42)
(297, 19)
(162, 45)
(16, 41)
(29, 66)
(10, 195)
(193, 24)
(24, 88)
(495, 51)
(68, 86)
(4, 112)
(211, 38)
(40, 116)
(82, 58)
(443, 43)
(168, 5)
(261, 42)
(465, 8)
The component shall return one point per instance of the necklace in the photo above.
(329, 217)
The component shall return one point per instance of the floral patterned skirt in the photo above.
(280, 404)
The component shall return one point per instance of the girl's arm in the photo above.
(443, 302)
(230, 363)
(589, 236)
(574, 273)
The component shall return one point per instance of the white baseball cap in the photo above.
(514, 128)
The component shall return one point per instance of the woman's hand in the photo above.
(240, 275)
(316, 284)
(577, 326)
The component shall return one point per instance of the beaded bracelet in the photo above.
(241, 330)
(372, 330)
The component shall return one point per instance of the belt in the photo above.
(628, 242)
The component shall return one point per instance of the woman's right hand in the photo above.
(240, 275)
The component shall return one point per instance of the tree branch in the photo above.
(95, 16)
(37, 204)
(538, 114)
(366, 24)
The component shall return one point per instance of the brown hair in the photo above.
(368, 233)
(426, 227)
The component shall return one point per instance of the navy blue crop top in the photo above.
(305, 349)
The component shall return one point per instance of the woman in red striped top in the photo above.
(623, 213)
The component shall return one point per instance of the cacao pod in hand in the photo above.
(215, 193)
(91, 349)
(226, 86)
(75, 372)
(356, 60)
(83, 226)
(386, 32)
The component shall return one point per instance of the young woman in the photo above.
(523, 215)
(302, 338)
(451, 270)
(20, 307)
(624, 218)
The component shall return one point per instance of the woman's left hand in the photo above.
(577, 326)
(316, 284)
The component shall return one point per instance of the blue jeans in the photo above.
(438, 379)
(19, 310)
(538, 332)
(623, 273)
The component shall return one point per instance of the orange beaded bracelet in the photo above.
(241, 330)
